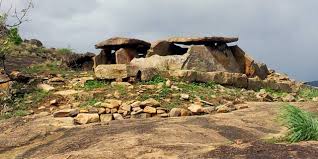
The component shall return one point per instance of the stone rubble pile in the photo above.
(114, 109)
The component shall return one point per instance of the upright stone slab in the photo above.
(103, 58)
(125, 55)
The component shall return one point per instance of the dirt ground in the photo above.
(245, 134)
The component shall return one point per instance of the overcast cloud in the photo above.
(283, 34)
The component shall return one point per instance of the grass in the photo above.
(308, 93)
(47, 67)
(89, 103)
(64, 51)
(302, 125)
(94, 84)
(156, 80)
(202, 90)
(276, 93)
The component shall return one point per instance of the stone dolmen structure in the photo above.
(200, 59)
(120, 50)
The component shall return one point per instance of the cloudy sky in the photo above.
(283, 34)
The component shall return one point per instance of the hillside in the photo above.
(313, 83)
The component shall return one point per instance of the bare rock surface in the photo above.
(238, 134)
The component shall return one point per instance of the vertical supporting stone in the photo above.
(125, 55)
(103, 58)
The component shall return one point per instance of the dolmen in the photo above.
(120, 50)
(200, 59)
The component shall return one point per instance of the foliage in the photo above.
(64, 51)
(308, 93)
(22, 104)
(89, 102)
(302, 125)
(156, 80)
(14, 36)
(94, 84)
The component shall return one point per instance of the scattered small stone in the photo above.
(54, 102)
(136, 109)
(137, 112)
(168, 83)
(67, 92)
(150, 110)
(135, 104)
(118, 116)
(125, 107)
(117, 95)
(108, 110)
(112, 103)
(159, 111)
(46, 87)
(84, 118)
(175, 88)
(209, 110)
(160, 85)
(241, 106)
(264, 97)
(150, 102)
(66, 113)
(315, 99)
(97, 104)
(184, 96)
(289, 98)
(41, 108)
(106, 117)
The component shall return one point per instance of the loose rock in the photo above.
(84, 118)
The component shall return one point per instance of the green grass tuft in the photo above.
(308, 93)
(94, 84)
(302, 125)
(156, 80)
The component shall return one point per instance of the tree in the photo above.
(10, 20)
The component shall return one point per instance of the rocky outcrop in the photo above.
(79, 61)
(209, 59)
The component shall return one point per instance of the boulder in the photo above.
(202, 40)
(114, 71)
(120, 42)
(106, 117)
(66, 113)
(210, 59)
(185, 112)
(247, 65)
(184, 96)
(121, 84)
(289, 98)
(84, 118)
(195, 108)
(118, 116)
(164, 48)
(125, 55)
(175, 112)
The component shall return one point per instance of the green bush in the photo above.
(302, 125)
(14, 36)
(64, 51)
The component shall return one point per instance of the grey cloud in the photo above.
(281, 33)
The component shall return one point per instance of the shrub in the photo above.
(302, 125)
(64, 51)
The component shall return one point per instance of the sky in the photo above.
(283, 34)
